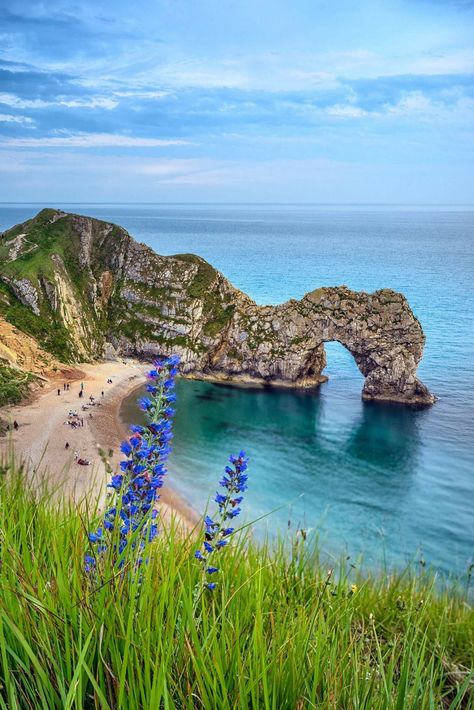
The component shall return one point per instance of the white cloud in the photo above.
(199, 73)
(92, 102)
(90, 140)
(8, 118)
(346, 111)
(413, 102)
(142, 94)
(299, 70)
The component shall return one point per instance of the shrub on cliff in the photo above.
(14, 384)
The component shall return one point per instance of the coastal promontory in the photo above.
(84, 289)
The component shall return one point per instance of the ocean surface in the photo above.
(391, 483)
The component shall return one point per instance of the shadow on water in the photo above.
(208, 408)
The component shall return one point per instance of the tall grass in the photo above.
(278, 632)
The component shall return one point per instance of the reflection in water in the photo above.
(381, 450)
(387, 433)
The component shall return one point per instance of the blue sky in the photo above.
(237, 100)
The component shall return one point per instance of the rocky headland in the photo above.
(84, 289)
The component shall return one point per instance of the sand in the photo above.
(43, 431)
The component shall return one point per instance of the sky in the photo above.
(237, 101)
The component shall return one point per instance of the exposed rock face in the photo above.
(144, 304)
(25, 292)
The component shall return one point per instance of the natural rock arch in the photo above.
(285, 344)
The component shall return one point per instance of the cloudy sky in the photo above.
(237, 100)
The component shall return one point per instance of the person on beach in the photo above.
(67, 386)
(64, 386)
(102, 393)
(81, 393)
(59, 391)
(82, 421)
(15, 425)
(67, 445)
(82, 385)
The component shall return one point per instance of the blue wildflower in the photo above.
(90, 563)
(116, 482)
(95, 537)
(143, 469)
(125, 448)
(235, 482)
(145, 403)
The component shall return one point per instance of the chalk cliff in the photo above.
(85, 288)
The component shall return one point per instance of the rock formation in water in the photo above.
(85, 288)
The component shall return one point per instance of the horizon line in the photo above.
(296, 204)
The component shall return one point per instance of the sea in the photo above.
(382, 484)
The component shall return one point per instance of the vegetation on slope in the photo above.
(47, 329)
(46, 241)
(14, 384)
(279, 632)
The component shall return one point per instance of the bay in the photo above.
(389, 482)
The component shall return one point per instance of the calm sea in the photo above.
(389, 482)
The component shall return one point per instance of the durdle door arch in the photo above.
(285, 344)
(383, 336)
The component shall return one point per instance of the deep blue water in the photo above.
(383, 480)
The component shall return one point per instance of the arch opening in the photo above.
(340, 363)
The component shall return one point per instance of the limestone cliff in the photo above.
(100, 291)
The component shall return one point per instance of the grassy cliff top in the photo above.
(281, 632)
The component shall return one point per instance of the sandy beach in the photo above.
(43, 431)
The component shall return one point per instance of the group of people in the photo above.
(77, 458)
(75, 421)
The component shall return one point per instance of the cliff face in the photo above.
(84, 287)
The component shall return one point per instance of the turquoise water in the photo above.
(383, 480)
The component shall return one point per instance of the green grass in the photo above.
(14, 384)
(279, 632)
